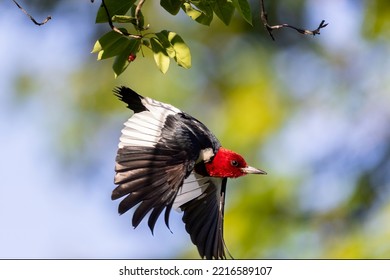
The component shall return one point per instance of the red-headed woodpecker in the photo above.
(168, 159)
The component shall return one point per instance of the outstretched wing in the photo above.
(203, 215)
(158, 150)
(150, 178)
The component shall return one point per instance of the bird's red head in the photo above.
(227, 163)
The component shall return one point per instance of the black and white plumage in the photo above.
(167, 159)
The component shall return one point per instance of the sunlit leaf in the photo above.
(160, 55)
(183, 54)
(191, 12)
(204, 16)
(163, 38)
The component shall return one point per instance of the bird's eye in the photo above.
(234, 163)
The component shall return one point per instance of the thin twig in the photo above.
(114, 28)
(110, 20)
(32, 19)
(138, 11)
(271, 28)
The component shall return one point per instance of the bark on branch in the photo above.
(114, 28)
(32, 19)
(271, 28)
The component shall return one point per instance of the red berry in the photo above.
(131, 57)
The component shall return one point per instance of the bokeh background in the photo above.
(314, 112)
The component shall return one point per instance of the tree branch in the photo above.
(110, 20)
(32, 19)
(138, 10)
(114, 28)
(271, 28)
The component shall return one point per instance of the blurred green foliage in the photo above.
(376, 22)
(254, 93)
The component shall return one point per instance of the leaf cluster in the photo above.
(125, 42)
(202, 11)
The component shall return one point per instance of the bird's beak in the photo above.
(252, 170)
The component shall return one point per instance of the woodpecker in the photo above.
(168, 159)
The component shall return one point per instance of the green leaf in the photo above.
(122, 19)
(120, 64)
(115, 7)
(110, 44)
(203, 16)
(163, 38)
(122, 60)
(171, 6)
(162, 61)
(160, 55)
(114, 49)
(106, 40)
(224, 9)
(183, 54)
(244, 9)
(190, 11)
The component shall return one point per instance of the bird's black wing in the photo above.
(203, 217)
(158, 150)
(149, 177)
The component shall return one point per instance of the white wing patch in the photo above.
(154, 106)
(205, 155)
(144, 128)
(194, 185)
